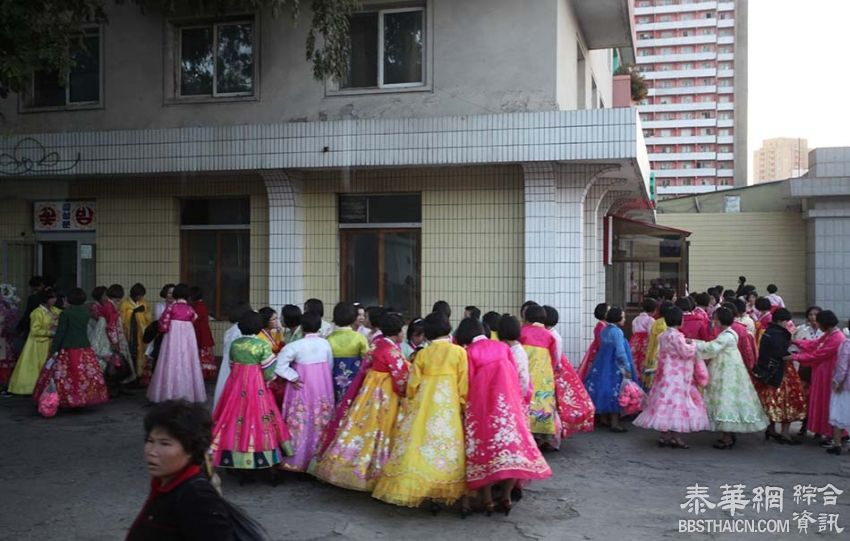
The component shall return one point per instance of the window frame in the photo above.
(26, 96)
(215, 26)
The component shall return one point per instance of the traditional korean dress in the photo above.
(206, 344)
(306, 411)
(349, 348)
(178, 366)
(821, 355)
(428, 459)
(43, 322)
(613, 360)
(135, 318)
(695, 326)
(748, 323)
(730, 398)
(675, 402)
(107, 337)
(641, 325)
(249, 433)
(590, 354)
(274, 338)
(761, 324)
(782, 394)
(356, 456)
(230, 335)
(75, 370)
(746, 345)
(8, 351)
(499, 445)
(575, 408)
(521, 360)
(650, 362)
(542, 350)
(839, 402)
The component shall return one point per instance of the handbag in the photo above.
(48, 401)
(631, 397)
(117, 368)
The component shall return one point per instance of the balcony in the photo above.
(667, 107)
(684, 40)
(680, 57)
(680, 123)
(676, 8)
(674, 173)
(681, 90)
(679, 74)
(681, 156)
(607, 24)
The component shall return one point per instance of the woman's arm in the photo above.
(61, 330)
(284, 359)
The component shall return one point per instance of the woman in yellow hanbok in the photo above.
(650, 362)
(43, 321)
(135, 318)
(428, 456)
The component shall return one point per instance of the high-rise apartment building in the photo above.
(781, 158)
(693, 55)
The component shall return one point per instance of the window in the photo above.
(387, 49)
(216, 59)
(215, 250)
(80, 86)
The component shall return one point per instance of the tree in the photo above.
(37, 35)
(638, 83)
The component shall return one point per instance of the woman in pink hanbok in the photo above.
(178, 368)
(674, 405)
(821, 355)
(599, 313)
(641, 325)
(499, 445)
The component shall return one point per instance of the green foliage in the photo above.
(638, 83)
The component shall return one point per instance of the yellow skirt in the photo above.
(29, 365)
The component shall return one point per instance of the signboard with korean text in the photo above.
(64, 216)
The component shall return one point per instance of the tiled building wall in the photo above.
(472, 232)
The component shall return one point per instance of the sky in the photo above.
(799, 82)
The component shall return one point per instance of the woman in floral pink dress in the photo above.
(499, 445)
(675, 405)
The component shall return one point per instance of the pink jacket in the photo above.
(841, 373)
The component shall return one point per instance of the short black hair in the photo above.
(667, 294)
(731, 307)
(740, 306)
(237, 311)
(683, 304)
(315, 305)
(115, 291)
(253, 322)
(600, 311)
(344, 314)
(76, 296)
(763, 304)
(266, 314)
(137, 291)
(467, 330)
(163, 293)
(552, 316)
(474, 312)
(443, 308)
(491, 319)
(811, 308)
(46, 294)
(311, 322)
(188, 423)
(509, 327)
(771, 288)
(291, 316)
(524, 306)
(742, 279)
(535, 314)
(36, 281)
(649, 305)
(181, 291)
(374, 315)
(827, 318)
(724, 316)
(614, 315)
(196, 293)
(673, 317)
(729, 294)
(391, 324)
(436, 325)
(416, 326)
(665, 305)
(98, 293)
(781, 314)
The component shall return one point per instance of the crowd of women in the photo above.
(416, 411)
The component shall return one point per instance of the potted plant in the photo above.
(637, 84)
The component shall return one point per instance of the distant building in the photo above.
(781, 158)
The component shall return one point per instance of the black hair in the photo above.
(763, 304)
(115, 291)
(467, 330)
(719, 289)
(98, 293)
(600, 311)
(742, 279)
(443, 308)
(827, 318)
(771, 288)
(724, 316)
(163, 293)
(649, 305)
(137, 291)
(729, 294)
(416, 326)
(665, 305)
(731, 307)
(535, 314)
(36, 281)
(196, 293)
(747, 289)
(491, 319)
(436, 325)
(667, 294)
(509, 328)
(345, 314)
(315, 305)
(810, 308)
(181, 291)
(311, 322)
(291, 316)
(740, 306)
(683, 304)
(266, 313)
(188, 423)
(46, 294)
(253, 322)
(474, 312)
(552, 316)
(76, 296)
(673, 317)
(374, 314)
(391, 324)
(525, 306)
(614, 315)
(237, 311)
(711, 291)
(781, 314)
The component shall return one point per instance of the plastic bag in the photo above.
(48, 402)
(631, 397)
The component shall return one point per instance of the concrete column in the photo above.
(286, 238)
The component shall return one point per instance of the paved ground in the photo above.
(81, 476)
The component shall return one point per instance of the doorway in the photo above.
(69, 259)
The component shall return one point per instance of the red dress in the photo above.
(821, 354)
(590, 354)
(639, 341)
(205, 340)
(499, 445)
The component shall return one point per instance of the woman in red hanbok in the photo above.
(641, 325)
(272, 333)
(599, 313)
(206, 344)
(575, 408)
(499, 445)
(765, 316)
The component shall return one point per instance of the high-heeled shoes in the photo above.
(507, 506)
(489, 507)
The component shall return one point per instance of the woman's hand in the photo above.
(788, 358)
(298, 384)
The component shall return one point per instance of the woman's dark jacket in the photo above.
(773, 347)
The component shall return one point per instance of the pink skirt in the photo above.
(178, 367)
(306, 412)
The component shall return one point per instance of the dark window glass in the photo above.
(363, 59)
(84, 78)
(196, 61)
(219, 263)
(215, 212)
(380, 209)
(47, 90)
(403, 47)
(235, 58)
